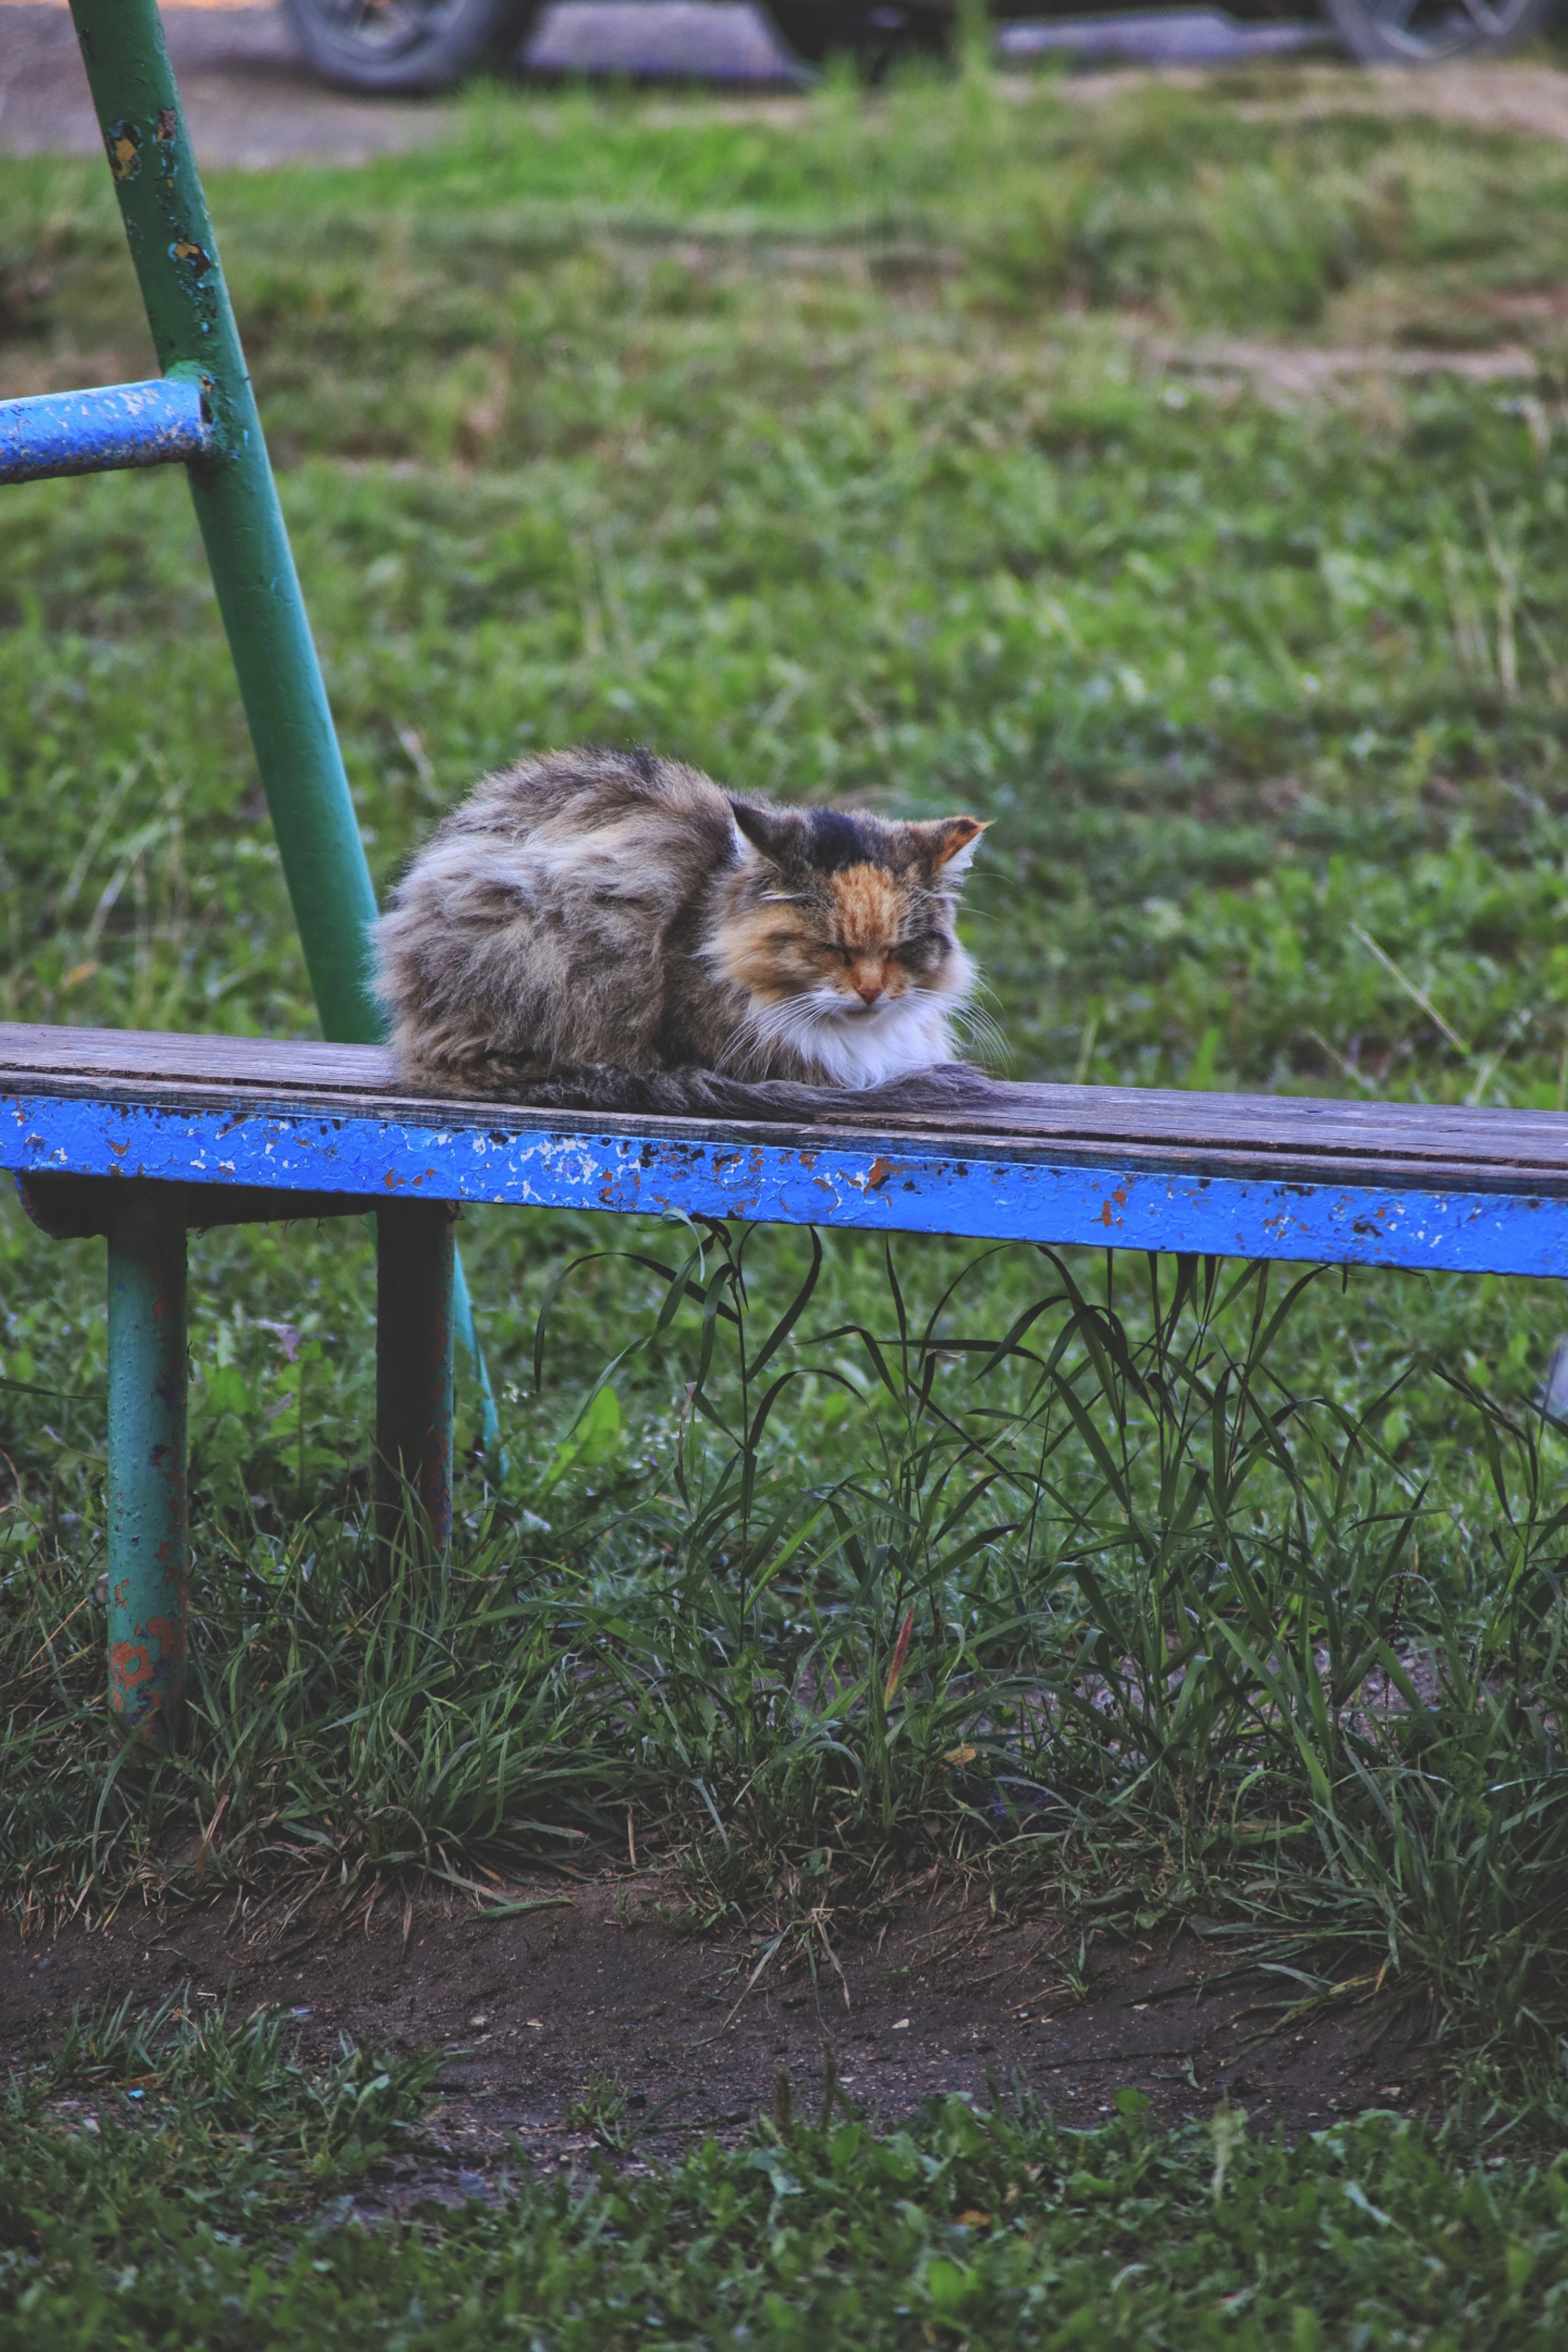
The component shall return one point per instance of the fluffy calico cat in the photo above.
(598, 909)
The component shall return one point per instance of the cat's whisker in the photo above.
(983, 1036)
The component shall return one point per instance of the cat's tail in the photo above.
(495, 1075)
(942, 1094)
(475, 1074)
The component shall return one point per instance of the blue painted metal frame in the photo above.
(161, 423)
(895, 1185)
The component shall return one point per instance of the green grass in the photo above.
(851, 453)
(141, 2206)
(736, 438)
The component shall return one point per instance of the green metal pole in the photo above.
(281, 683)
(148, 1564)
(193, 332)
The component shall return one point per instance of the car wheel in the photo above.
(872, 34)
(1425, 32)
(408, 45)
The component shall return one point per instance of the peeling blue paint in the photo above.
(99, 432)
(889, 1187)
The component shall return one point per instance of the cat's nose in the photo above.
(869, 980)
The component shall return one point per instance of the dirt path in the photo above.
(597, 1982)
(1533, 98)
(249, 98)
(1525, 98)
(252, 101)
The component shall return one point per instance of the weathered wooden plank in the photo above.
(1280, 1137)
(888, 1185)
(282, 1065)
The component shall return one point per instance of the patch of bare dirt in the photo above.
(532, 2006)
(249, 97)
(1303, 367)
(1291, 375)
(252, 102)
(1495, 95)
(1484, 96)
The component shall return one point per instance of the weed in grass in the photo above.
(600, 2107)
(137, 2106)
(616, 2119)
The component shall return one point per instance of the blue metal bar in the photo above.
(891, 1186)
(121, 425)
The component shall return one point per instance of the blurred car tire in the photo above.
(1398, 32)
(410, 45)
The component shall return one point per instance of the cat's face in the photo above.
(845, 922)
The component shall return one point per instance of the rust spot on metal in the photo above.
(125, 144)
(1118, 1200)
(169, 1632)
(877, 1174)
(199, 259)
(131, 1664)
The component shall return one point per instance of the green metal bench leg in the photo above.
(148, 1542)
(416, 1331)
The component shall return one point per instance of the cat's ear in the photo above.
(771, 831)
(949, 844)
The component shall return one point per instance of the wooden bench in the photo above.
(142, 1137)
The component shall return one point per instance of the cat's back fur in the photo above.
(546, 917)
